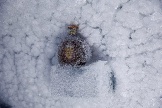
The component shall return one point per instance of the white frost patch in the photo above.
(89, 81)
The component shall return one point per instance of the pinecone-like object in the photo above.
(74, 50)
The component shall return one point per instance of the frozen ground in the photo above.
(125, 35)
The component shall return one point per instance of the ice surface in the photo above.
(4, 105)
(125, 70)
(83, 82)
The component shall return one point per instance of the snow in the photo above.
(125, 69)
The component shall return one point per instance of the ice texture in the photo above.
(83, 82)
(126, 66)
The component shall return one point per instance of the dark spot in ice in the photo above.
(130, 35)
(113, 81)
(130, 38)
(4, 105)
(120, 7)
(82, 63)
(98, 55)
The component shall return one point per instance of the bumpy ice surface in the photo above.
(125, 35)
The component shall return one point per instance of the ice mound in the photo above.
(88, 81)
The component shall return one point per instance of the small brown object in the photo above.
(73, 29)
(74, 50)
(72, 53)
